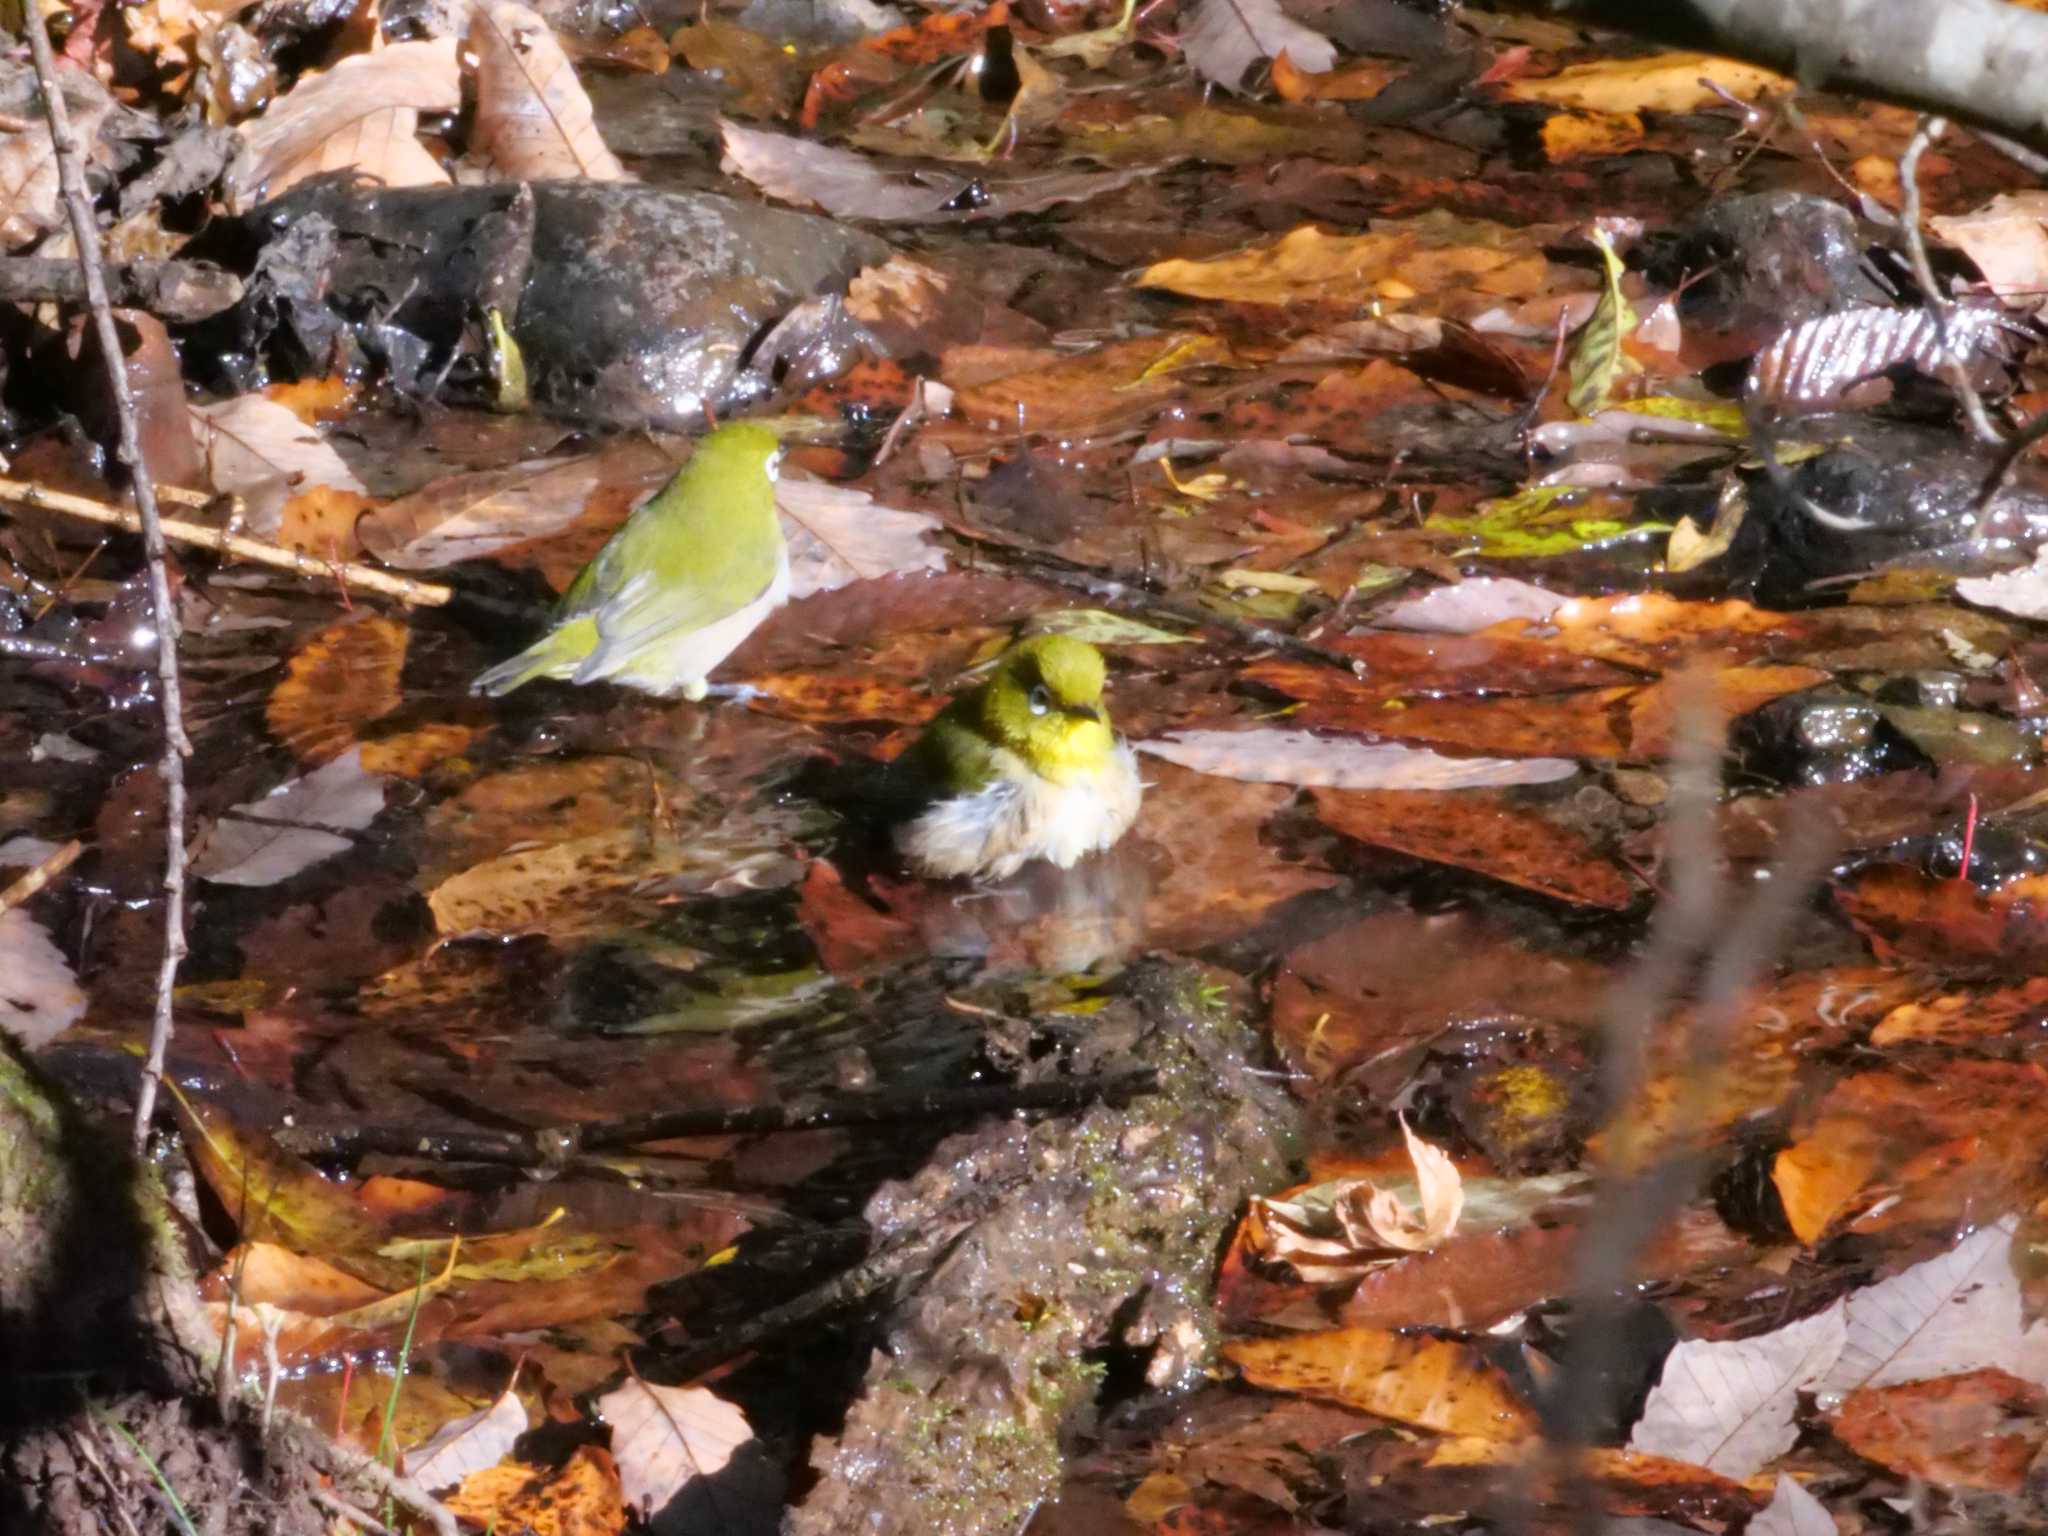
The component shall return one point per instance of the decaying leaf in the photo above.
(1974, 1429)
(2023, 592)
(39, 993)
(1792, 1512)
(288, 830)
(1466, 607)
(468, 1444)
(261, 452)
(664, 1437)
(2008, 239)
(1430, 1383)
(1596, 360)
(533, 118)
(1729, 1406)
(1269, 756)
(582, 1499)
(1659, 82)
(1224, 38)
(29, 193)
(363, 115)
(340, 680)
(1365, 1215)
(838, 535)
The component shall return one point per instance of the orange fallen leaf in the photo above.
(582, 1499)
(1430, 1383)
(335, 684)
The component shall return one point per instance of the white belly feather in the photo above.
(995, 831)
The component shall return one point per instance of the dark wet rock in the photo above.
(1886, 494)
(1824, 736)
(631, 306)
(1075, 1235)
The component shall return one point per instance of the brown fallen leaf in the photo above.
(1908, 915)
(1658, 82)
(262, 452)
(582, 1499)
(361, 115)
(1426, 1382)
(533, 117)
(1979, 1429)
(335, 684)
(666, 1437)
(1482, 830)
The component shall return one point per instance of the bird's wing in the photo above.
(680, 580)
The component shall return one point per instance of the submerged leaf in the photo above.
(1597, 361)
(1431, 1383)
(1545, 520)
(39, 993)
(272, 839)
(1300, 757)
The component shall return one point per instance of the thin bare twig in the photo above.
(78, 204)
(422, 594)
(41, 875)
(1952, 365)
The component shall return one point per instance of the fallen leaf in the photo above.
(267, 841)
(664, 1437)
(582, 1499)
(260, 451)
(1269, 756)
(1974, 1429)
(363, 114)
(1430, 1383)
(1792, 1512)
(468, 1444)
(264, 1274)
(2008, 240)
(1956, 1312)
(1908, 914)
(1466, 607)
(2023, 592)
(1659, 82)
(533, 118)
(28, 159)
(39, 993)
(339, 681)
(1224, 38)
(1729, 1407)
(1484, 831)
(838, 535)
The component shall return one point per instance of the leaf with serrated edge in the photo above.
(662, 1437)
(1301, 757)
(1728, 1407)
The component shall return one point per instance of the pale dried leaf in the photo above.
(1792, 1512)
(30, 198)
(1729, 1406)
(2008, 239)
(1224, 38)
(533, 117)
(1953, 1313)
(662, 1437)
(838, 535)
(1301, 757)
(258, 450)
(468, 1444)
(272, 839)
(2023, 592)
(850, 185)
(1466, 607)
(1434, 1216)
(475, 513)
(367, 105)
(39, 993)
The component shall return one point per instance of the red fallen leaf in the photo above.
(1954, 1017)
(936, 37)
(583, 1499)
(1908, 915)
(1980, 1429)
(850, 935)
(871, 390)
(1403, 666)
(1382, 988)
(1486, 830)
(1915, 1146)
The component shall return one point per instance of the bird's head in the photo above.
(1044, 703)
(737, 452)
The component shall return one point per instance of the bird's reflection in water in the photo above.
(1046, 918)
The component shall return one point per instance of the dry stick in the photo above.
(1952, 367)
(422, 594)
(71, 177)
(41, 875)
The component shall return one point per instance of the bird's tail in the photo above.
(555, 654)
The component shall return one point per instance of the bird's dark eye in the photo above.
(1041, 701)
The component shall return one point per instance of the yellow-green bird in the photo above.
(1024, 766)
(673, 593)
